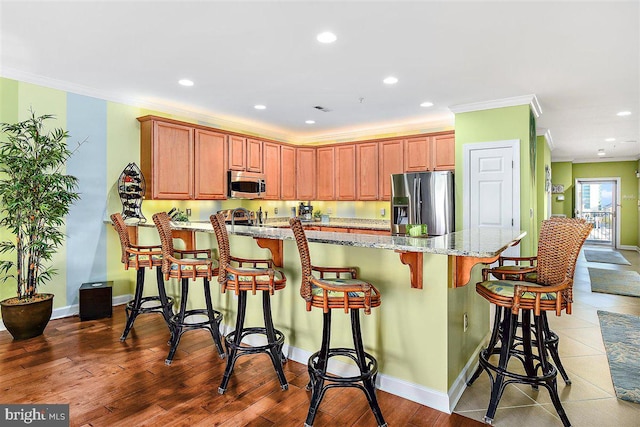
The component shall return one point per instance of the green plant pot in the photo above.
(27, 319)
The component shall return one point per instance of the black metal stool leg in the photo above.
(493, 341)
(275, 352)
(177, 321)
(133, 307)
(233, 341)
(316, 373)
(547, 368)
(498, 384)
(369, 384)
(526, 345)
(215, 322)
(551, 341)
(167, 311)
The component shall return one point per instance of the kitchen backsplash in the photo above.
(200, 210)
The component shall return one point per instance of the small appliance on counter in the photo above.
(239, 216)
(305, 212)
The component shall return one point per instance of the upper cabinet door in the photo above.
(172, 160)
(288, 173)
(391, 161)
(416, 154)
(272, 170)
(254, 155)
(367, 171)
(306, 173)
(237, 153)
(444, 152)
(346, 172)
(210, 161)
(325, 182)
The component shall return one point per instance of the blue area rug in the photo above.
(621, 336)
(610, 257)
(616, 282)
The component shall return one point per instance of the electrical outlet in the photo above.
(465, 321)
(382, 212)
(275, 211)
(329, 211)
(188, 212)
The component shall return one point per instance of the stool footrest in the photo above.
(370, 363)
(206, 324)
(156, 308)
(253, 349)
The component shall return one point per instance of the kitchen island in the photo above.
(418, 335)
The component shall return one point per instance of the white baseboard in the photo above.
(73, 310)
(629, 248)
(460, 384)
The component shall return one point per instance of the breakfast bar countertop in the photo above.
(478, 242)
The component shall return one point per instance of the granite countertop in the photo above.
(369, 224)
(479, 242)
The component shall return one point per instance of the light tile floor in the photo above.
(590, 400)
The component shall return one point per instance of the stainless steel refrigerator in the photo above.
(422, 198)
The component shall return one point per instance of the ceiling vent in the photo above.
(321, 108)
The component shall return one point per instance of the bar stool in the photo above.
(184, 269)
(328, 293)
(139, 258)
(243, 278)
(558, 244)
(523, 272)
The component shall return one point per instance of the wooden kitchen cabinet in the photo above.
(210, 165)
(390, 161)
(325, 174)
(272, 170)
(245, 154)
(417, 156)
(428, 153)
(370, 231)
(182, 162)
(306, 173)
(345, 172)
(287, 173)
(166, 159)
(367, 171)
(444, 152)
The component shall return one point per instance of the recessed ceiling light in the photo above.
(185, 82)
(390, 80)
(624, 113)
(326, 37)
(310, 122)
(610, 139)
(427, 104)
(260, 107)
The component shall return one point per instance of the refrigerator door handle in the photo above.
(419, 202)
(414, 201)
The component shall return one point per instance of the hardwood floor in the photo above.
(109, 383)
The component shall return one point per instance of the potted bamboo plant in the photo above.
(35, 196)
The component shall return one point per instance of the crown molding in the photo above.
(194, 114)
(381, 131)
(234, 125)
(605, 159)
(547, 136)
(530, 100)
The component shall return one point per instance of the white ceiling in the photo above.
(580, 59)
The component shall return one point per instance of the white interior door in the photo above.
(492, 185)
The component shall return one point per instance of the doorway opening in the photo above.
(597, 202)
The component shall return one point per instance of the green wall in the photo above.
(544, 161)
(628, 193)
(566, 173)
(500, 124)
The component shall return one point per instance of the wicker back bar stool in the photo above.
(242, 275)
(184, 269)
(140, 258)
(559, 243)
(331, 291)
(517, 269)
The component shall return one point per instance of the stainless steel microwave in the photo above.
(246, 185)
